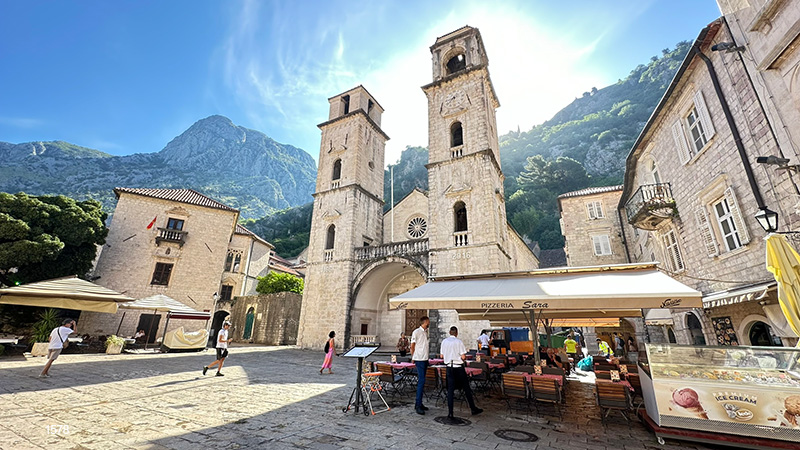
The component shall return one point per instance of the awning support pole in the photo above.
(120, 322)
(535, 332)
(646, 331)
(164, 335)
(150, 331)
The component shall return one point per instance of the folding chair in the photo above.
(390, 377)
(546, 390)
(431, 381)
(515, 386)
(615, 396)
(482, 381)
(371, 384)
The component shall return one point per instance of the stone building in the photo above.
(180, 243)
(591, 220)
(358, 257)
(692, 188)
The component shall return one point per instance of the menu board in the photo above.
(723, 328)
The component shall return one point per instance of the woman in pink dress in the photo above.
(329, 351)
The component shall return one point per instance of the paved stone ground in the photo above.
(271, 397)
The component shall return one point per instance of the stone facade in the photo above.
(690, 201)
(129, 257)
(591, 227)
(275, 318)
(466, 231)
(248, 258)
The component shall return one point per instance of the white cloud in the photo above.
(20, 122)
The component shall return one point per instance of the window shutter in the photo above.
(733, 204)
(680, 142)
(705, 117)
(598, 209)
(598, 250)
(705, 232)
(605, 244)
(590, 209)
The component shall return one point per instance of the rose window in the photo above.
(417, 227)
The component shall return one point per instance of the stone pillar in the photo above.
(590, 336)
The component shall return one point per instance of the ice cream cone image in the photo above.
(687, 400)
(792, 410)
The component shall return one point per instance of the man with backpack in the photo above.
(58, 342)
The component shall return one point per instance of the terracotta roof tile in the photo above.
(244, 231)
(189, 196)
(591, 191)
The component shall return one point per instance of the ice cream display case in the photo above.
(748, 391)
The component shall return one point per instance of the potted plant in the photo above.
(48, 320)
(114, 345)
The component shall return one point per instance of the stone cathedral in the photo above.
(359, 258)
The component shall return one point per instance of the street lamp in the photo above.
(768, 219)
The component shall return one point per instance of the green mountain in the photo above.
(584, 144)
(240, 167)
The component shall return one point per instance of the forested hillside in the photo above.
(584, 144)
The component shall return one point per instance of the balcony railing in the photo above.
(335, 184)
(170, 235)
(461, 238)
(328, 257)
(357, 339)
(415, 247)
(457, 152)
(650, 205)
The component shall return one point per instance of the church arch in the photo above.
(460, 217)
(337, 170)
(455, 63)
(456, 135)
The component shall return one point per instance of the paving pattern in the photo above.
(270, 397)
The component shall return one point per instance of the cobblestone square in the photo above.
(270, 397)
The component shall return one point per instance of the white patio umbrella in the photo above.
(162, 303)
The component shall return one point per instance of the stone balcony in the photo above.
(405, 248)
(650, 205)
(461, 238)
(170, 235)
(362, 339)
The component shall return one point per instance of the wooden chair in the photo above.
(546, 390)
(524, 368)
(603, 374)
(403, 359)
(431, 381)
(483, 380)
(604, 366)
(515, 387)
(613, 396)
(636, 384)
(390, 378)
(556, 371)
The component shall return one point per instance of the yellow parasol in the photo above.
(784, 262)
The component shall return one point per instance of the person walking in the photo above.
(633, 349)
(454, 355)
(330, 349)
(619, 345)
(403, 344)
(483, 343)
(420, 351)
(58, 342)
(222, 350)
(571, 349)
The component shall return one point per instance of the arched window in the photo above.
(761, 335)
(671, 336)
(460, 216)
(456, 63)
(456, 135)
(330, 237)
(337, 169)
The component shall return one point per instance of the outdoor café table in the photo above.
(512, 359)
(434, 362)
(559, 379)
(622, 382)
(400, 365)
(470, 370)
(496, 365)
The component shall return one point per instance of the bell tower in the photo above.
(347, 212)
(468, 228)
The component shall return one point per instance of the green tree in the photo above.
(279, 282)
(45, 237)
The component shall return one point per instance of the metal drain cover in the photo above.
(516, 435)
(455, 421)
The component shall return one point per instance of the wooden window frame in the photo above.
(162, 274)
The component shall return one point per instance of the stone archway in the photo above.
(216, 325)
(756, 320)
(369, 317)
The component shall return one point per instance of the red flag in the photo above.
(152, 223)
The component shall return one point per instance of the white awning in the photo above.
(161, 302)
(586, 289)
(67, 293)
(658, 316)
(738, 295)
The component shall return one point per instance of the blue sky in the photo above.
(128, 76)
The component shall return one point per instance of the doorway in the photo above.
(412, 319)
(216, 325)
(250, 318)
(695, 330)
(761, 335)
(149, 323)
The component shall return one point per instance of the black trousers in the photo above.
(457, 377)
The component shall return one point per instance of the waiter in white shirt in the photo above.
(420, 351)
(454, 355)
(483, 343)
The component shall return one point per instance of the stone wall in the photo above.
(413, 205)
(277, 317)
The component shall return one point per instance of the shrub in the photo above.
(48, 319)
(279, 282)
(114, 340)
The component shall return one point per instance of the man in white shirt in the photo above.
(222, 349)
(483, 343)
(454, 355)
(57, 339)
(419, 354)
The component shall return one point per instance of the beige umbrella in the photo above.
(163, 303)
(784, 262)
(66, 293)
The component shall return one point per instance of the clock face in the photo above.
(454, 99)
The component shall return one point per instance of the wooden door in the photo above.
(412, 320)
